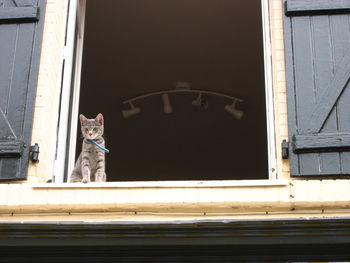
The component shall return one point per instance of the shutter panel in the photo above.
(317, 51)
(21, 25)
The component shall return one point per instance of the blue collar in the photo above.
(99, 146)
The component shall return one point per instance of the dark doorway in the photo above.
(136, 47)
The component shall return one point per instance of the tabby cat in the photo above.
(90, 166)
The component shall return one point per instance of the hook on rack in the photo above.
(231, 108)
(166, 101)
(131, 112)
(200, 102)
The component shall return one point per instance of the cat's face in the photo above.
(91, 128)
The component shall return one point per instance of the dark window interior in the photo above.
(136, 47)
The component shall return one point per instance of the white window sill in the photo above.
(168, 184)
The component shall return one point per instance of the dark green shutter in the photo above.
(21, 26)
(317, 49)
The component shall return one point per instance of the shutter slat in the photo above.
(324, 68)
(20, 74)
(322, 142)
(304, 77)
(340, 35)
(308, 7)
(290, 82)
(16, 14)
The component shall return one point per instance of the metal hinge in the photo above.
(35, 153)
(285, 149)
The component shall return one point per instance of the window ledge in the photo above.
(168, 184)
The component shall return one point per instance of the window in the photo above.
(138, 47)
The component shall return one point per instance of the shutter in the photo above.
(317, 51)
(21, 24)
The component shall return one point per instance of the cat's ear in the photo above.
(99, 118)
(82, 119)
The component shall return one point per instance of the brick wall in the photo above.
(279, 83)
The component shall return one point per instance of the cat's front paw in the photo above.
(85, 181)
(100, 176)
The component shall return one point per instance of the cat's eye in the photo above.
(95, 130)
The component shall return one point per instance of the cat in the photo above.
(90, 165)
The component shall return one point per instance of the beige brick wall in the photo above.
(279, 83)
(48, 92)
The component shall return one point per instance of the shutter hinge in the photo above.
(285, 149)
(35, 153)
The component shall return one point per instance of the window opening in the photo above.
(133, 48)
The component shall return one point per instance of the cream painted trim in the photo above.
(293, 195)
(169, 184)
(169, 217)
(73, 51)
(68, 58)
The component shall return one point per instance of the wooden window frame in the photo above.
(70, 90)
(72, 61)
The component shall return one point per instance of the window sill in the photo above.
(168, 184)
